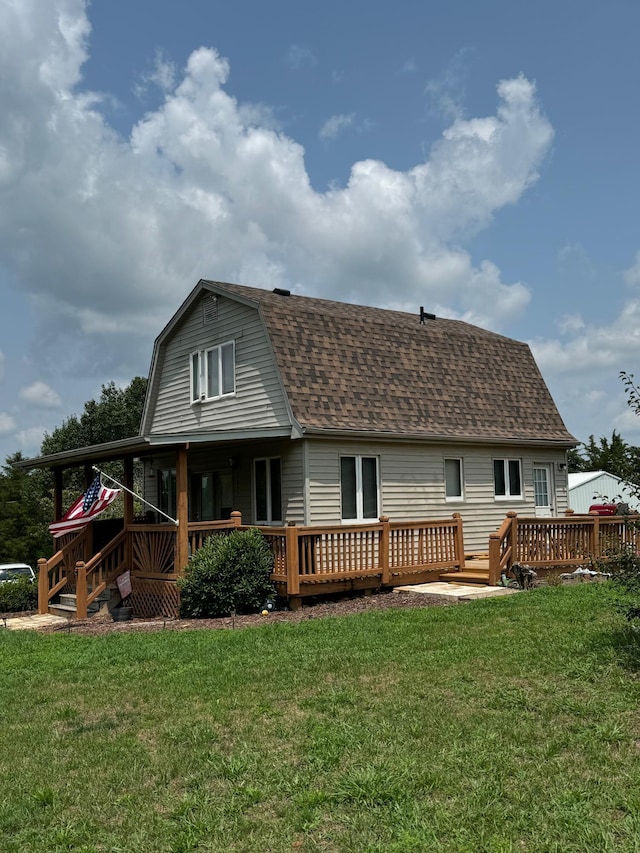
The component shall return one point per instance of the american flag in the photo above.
(91, 503)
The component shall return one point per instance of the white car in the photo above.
(11, 571)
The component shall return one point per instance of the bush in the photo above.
(230, 573)
(18, 595)
(624, 567)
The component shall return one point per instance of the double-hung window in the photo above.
(213, 372)
(359, 487)
(267, 476)
(507, 478)
(453, 480)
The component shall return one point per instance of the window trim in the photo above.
(360, 518)
(201, 359)
(507, 496)
(459, 498)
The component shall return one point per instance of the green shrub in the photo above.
(18, 595)
(230, 573)
(623, 564)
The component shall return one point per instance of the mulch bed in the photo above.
(311, 609)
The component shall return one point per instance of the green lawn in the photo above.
(509, 724)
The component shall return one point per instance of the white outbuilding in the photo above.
(597, 487)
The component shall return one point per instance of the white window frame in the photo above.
(359, 492)
(459, 497)
(269, 496)
(199, 373)
(506, 461)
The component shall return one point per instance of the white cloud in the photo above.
(108, 234)
(632, 274)
(336, 124)
(30, 439)
(7, 424)
(41, 395)
(300, 56)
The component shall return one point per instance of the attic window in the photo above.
(213, 372)
(210, 309)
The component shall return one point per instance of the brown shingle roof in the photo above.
(350, 367)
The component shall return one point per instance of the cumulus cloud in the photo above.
(7, 423)
(336, 124)
(107, 234)
(41, 395)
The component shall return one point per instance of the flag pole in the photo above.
(138, 497)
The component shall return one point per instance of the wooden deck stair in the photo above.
(474, 573)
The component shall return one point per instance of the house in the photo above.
(319, 412)
(587, 488)
(293, 410)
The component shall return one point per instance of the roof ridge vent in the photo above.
(425, 316)
(280, 291)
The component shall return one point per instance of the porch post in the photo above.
(182, 511)
(89, 477)
(594, 543)
(57, 494)
(128, 512)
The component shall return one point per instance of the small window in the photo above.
(268, 490)
(359, 488)
(453, 482)
(507, 478)
(213, 372)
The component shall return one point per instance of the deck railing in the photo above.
(384, 553)
(563, 542)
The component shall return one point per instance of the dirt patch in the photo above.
(311, 609)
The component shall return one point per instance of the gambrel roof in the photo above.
(350, 368)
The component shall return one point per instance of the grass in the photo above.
(502, 725)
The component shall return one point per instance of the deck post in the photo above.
(594, 538)
(81, 590)
(293, 569)
(385, 547)
(182, 511)
(459, 540)
(236, 518)
(514, 537)
(43, 586)
(494, 559)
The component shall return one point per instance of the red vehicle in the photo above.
(604, 509)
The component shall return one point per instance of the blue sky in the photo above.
(480, 159)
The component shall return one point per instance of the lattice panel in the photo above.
(154, 598)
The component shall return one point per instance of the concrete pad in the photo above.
(39, 620)
(457, 591)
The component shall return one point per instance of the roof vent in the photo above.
(425, 316)
(281, 291)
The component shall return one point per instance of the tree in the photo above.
(613, 455)
(26, 500)
(25, 512)
(116, 415)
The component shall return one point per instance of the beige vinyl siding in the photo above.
(259, 401)
(412, 483)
